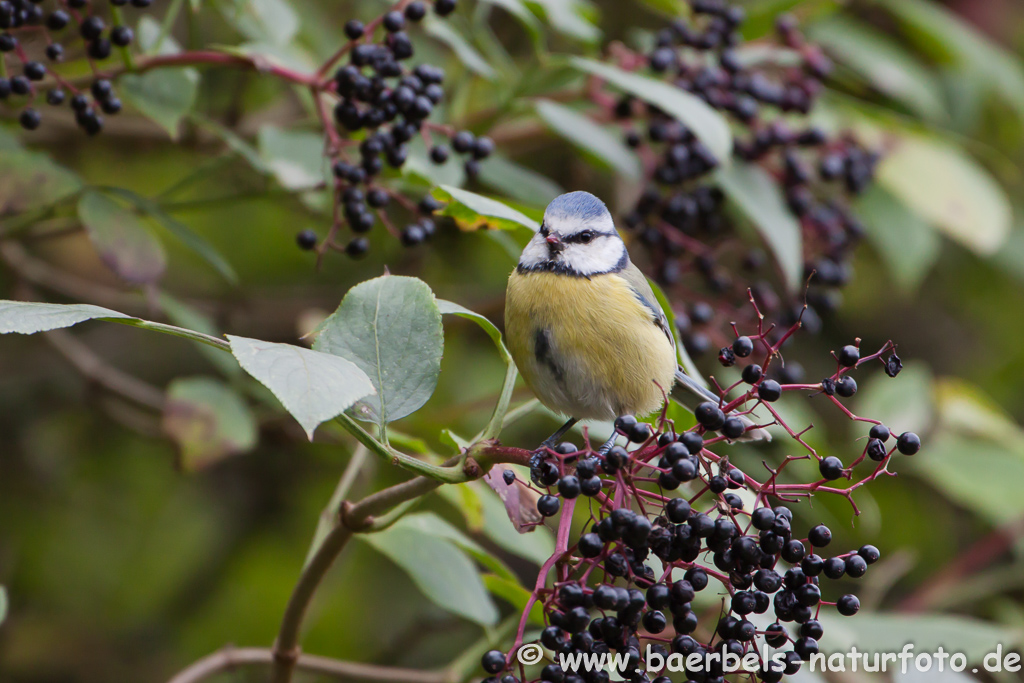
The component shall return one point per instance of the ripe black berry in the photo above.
(769, 390)
(893, 365)
(357, 248)
(111, 105)
(710, 416)
(354, 29)
(846, 387)
(590, 545)
(908, 443)
(444, 7)
(99, 48)
(848, 605)
(483, 148)
(122, 36)
(831, 467)
(7, 42)
(856, 566)
(394, 21)
(92, 27)
(876, 450)
(413, 235)
(820, 536)
(30, 119)
(569, 486)
(693, 441)
(880, 432)
(55, 52)
(547, 505)
(752, 374)
(849, 355)
(34, 71)
(415, 11)
(742, 347)
(677, 510)
(493, 661)
(463, 141)
(640, 432)
(624, 424)
(102, 89)
(306, 240)
(20, 85)
(509, 477)
(55, 97)
(439, 154)
(762, 518)
(733, 428)
(57, 20)
(870, 553)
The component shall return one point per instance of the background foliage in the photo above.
(127, 554)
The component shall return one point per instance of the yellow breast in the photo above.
(587, 347)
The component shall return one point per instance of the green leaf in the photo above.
(390, 327)
(3, 604)
(752, 191)
(467, 54)
(273, 21)
(472, 211)
(573, 18)
(707, 124)
(208, 420)
(947, 188)
(883, 62)
(311, 385)
(889, 632)
(420, 168)
(907, 244)
(518, 9)
(185, 234)
(440, 569)
(514, 594)
(967, 410)
(947, 37)
(590, 137)
(295, 157)
(184, 315)
(904, 403)
(29, 317)
(429, 523)
(30, 180)
(517, 181)
(235, 142)
(124, 242)
(165, 95)
(452, 308)
(670, 8)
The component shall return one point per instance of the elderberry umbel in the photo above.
(768, 95)
(685, 553)
(37, 35)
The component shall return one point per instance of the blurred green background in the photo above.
(120, 566)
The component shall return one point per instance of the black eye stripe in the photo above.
(581, 237)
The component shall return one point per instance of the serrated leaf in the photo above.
(124, 242)
(473, 211)
(390, 327)
(907, 244)
(312, 386)
(590, 137)
(440, 569)
(31, 180)
(947, 188)
(517, 181)
(163, 95)
(30, 317)
(753, 192)
(883, 62)
(707, 124)
(467, 54)
(208, 420)
(295, 157)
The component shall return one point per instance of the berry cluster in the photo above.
(391, 104)
(27, 26)
(768, 97)
(630, 581)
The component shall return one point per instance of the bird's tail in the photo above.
(688, 393)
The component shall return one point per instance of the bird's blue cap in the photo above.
(580, 205)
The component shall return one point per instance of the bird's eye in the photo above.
(586, 236)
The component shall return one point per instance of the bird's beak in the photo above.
(555, 245)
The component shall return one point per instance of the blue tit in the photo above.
(584, 326)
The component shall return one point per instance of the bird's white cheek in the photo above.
(535, 253)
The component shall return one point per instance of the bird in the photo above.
(584, 327)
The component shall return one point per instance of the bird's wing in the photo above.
(687, 391)
(642, 289)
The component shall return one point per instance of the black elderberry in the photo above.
(794, 551)
(30, 119)
(762, 518)
(751, 374)
(55, 52)
(102, 89)
(7, 42)
(444, 7)
(354, 29)
(908, 443)
(893, 365)
(55, 97)
(509, 477)
(415, 11)
(831, 467)
(856, 566)
(733, 428)
(876, 450)
(870, 553)
(805, 647)
(820, 536)
(769, 390)
(111, 105)
(91, 27)
(569, 486)
(624, 424)
(640, 432)
(483, 147)
(846, 387)
(834, 568)
(693, 441)
(79, 103)
(742, 347)
(590, 545)
(34, 71)
(710, 416)
(848, 605)
(57, 20)
(463, 141)
(493, 661)
(717, 484)
(655, 622)
(394, 21)
(880, 432)
(547, 505)
(306, 240)
(20, 85)
(122, 36)
(439, 154)
(848, 356)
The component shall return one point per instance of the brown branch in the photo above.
(98, 371)
(230, 658)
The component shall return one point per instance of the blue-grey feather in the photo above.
(582, 206)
